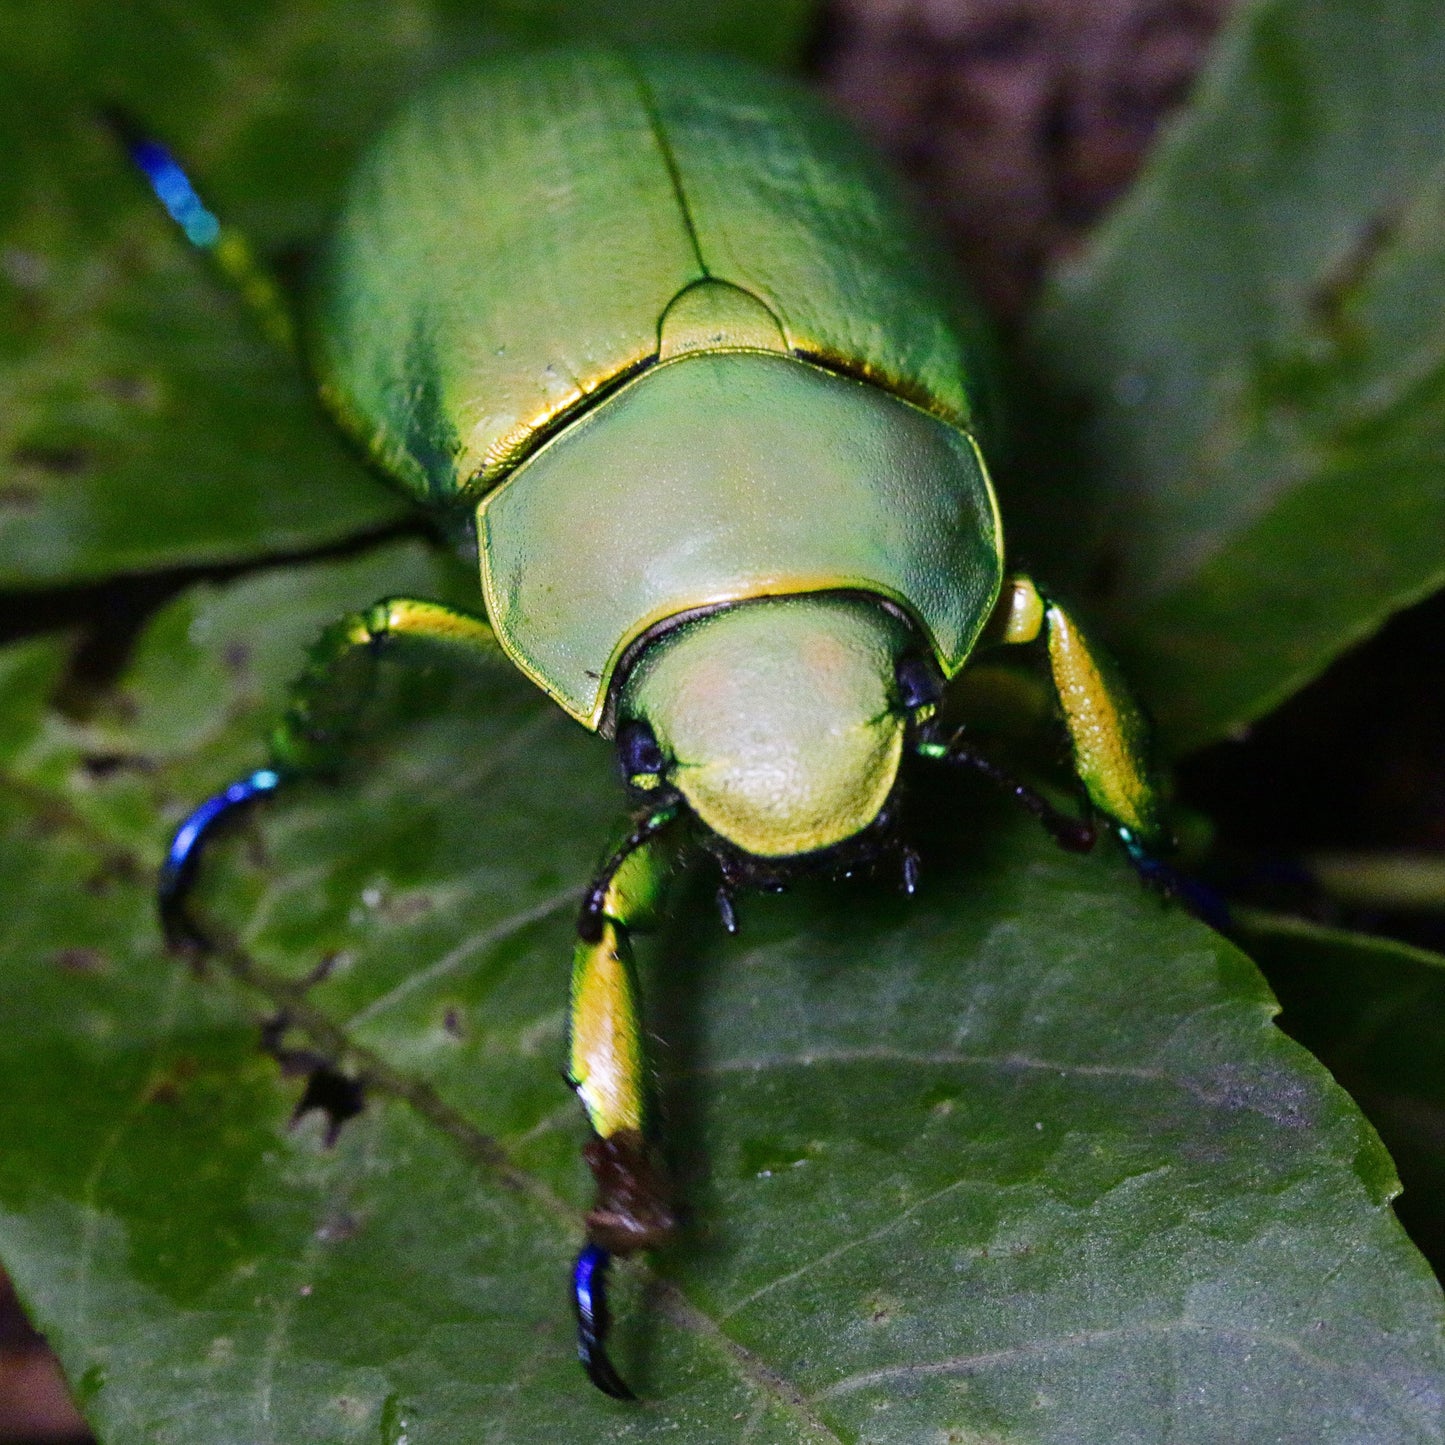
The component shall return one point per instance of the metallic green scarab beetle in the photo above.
(662, 329)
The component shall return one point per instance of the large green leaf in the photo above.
(1023, 1158)
(1254, 339)
(144, 422)
(1373, 1010)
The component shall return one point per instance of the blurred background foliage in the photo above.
(1226, 404)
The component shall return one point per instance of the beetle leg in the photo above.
(1072, 833)
(1108, 732)
(1110, 739)
(228, 248)
(183, 857)
(319, 724)
(322, 716)
(607, 1069)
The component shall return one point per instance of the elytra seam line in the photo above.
(674, 174)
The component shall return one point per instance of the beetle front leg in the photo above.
(607, 1068)
(319, 725)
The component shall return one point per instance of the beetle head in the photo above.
(778, 720)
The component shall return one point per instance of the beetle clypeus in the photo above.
(670, 306)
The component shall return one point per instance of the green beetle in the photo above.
(662, 332)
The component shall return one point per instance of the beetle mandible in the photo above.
(672, 306)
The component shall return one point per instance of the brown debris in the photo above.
(35, 1405)
(631, 1211)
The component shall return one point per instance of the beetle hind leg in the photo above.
(228, 248)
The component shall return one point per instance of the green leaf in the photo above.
(1373, 1010)
(1406, 881)
(1253, 338)
(146, 423)
(1022, 1158)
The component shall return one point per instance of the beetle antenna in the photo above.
(1074, 834)
(589, 1296)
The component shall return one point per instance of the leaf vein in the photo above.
(453, 959)
(968, 1364)
(827, 1258)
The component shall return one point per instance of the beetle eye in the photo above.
(638, 753)
(918, 683)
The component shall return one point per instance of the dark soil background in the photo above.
(1019, 122)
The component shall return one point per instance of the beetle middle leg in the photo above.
(607, 1068)
(318, 727)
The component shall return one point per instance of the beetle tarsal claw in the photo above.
(630, 1213)
(911, 864)
(1163, 878)
(589, 1297)
(183, 857)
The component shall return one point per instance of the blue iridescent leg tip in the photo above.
(1200, 899)
(183, 857)
(172, 187)
(589, 1295)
